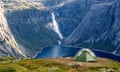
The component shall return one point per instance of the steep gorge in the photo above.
(83, 23)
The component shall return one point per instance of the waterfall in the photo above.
(55, 26)
(116, 50)
(7, 41)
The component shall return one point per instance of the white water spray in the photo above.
(116, 50)
(55, 26)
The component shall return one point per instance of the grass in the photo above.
(10, 67)
(103, 69)
(43, 66)
(49, 65)
(6, 59)
(33, 65)
(111, 66)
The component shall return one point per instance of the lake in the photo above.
(63, 51)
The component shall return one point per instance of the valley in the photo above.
(90, 24)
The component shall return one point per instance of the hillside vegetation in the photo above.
(58, 65)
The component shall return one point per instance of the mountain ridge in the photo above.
(8, 45)
(28, 20)
(99, 27)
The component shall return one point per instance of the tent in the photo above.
(85, 55)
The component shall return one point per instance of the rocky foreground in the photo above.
(58, 65)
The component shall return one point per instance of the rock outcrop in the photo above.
(8, 45)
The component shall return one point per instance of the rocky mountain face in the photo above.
(29, 24)
(99, 29)
(31, 31)
(36, 24)
(8, 45)
(71, 13)
(21, 17)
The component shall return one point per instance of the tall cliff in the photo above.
(29, 28)
(99, 29)
(8, 45)
(83, 23)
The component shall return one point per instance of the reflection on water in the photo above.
(62, 51)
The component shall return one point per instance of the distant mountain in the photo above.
(28, 24)
(99, 29)
(84, 23)
(29, 28)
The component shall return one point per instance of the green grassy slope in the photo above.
(57, 65)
